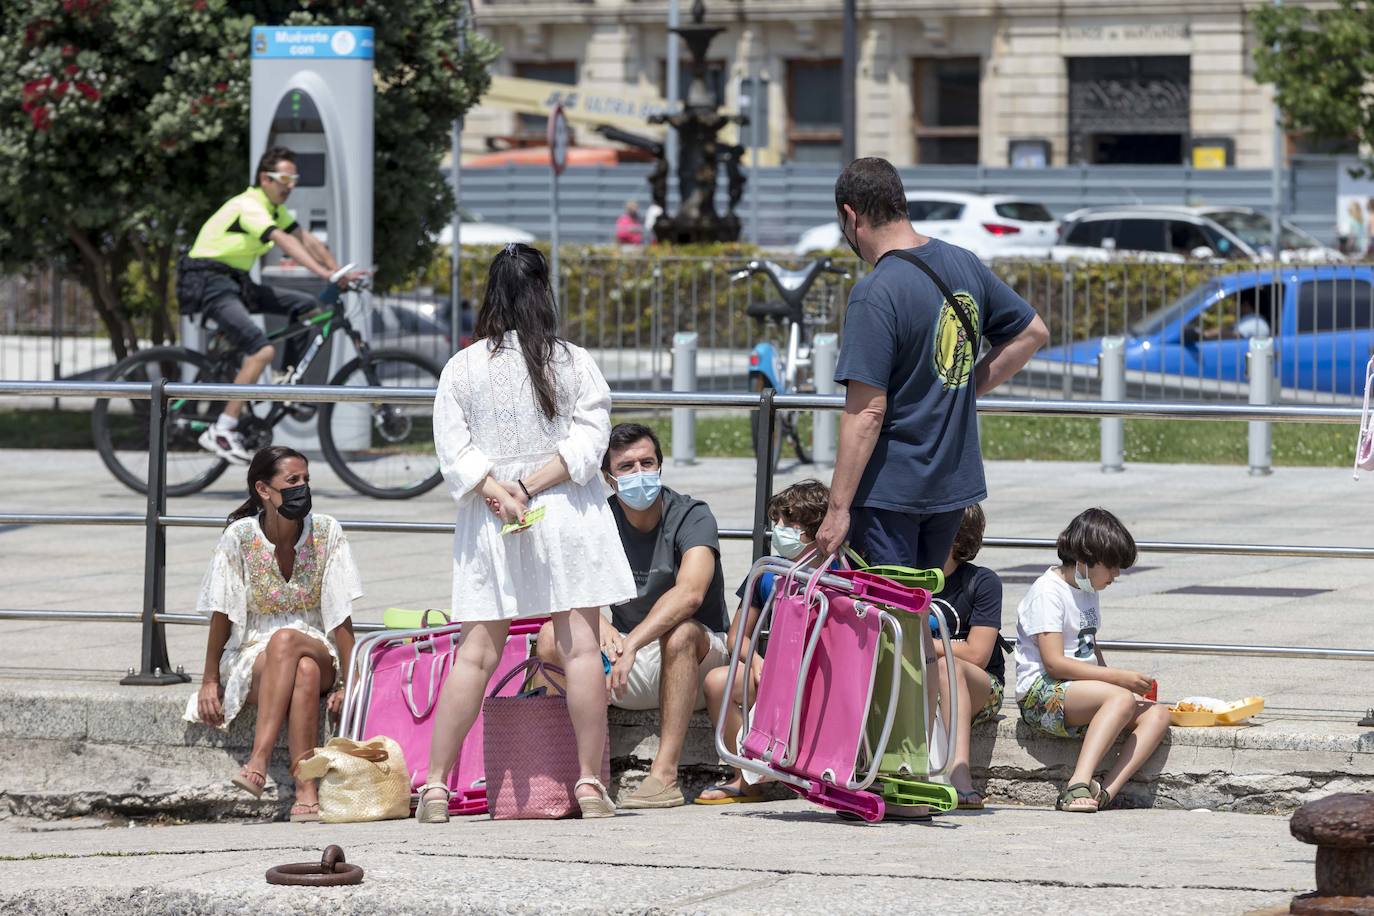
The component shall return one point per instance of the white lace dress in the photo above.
(487, 421)
(245, 584)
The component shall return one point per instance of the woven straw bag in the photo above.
(359, 782)
(531, 752)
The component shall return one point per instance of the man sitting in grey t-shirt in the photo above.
(662, 643)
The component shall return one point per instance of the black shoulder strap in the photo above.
(962, 313)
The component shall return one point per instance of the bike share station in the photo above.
(312, 92)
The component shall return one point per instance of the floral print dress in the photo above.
(245, 584)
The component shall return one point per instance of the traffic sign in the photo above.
(559, 140)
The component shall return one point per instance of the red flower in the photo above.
(71, 69)
(68, 50)
(41, 121)
(221, 87)
(60, 90)
(199, 5)
(88, 91)
(207, 99)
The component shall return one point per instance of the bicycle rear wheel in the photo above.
(383, 450)
(120, 425)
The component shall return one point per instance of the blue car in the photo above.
(1321, 319)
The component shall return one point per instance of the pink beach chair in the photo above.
(394, 688)
(807, 727)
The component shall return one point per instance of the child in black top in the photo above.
(974, 618)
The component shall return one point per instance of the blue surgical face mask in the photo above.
(638, 491)
(787, 542)
(1082, 581)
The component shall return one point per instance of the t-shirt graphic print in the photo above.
(953, 355)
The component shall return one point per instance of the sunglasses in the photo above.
(285, 178)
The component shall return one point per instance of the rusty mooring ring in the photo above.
(332, 871)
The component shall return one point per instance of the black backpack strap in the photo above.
(960, 312)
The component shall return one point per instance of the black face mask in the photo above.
(295, 502)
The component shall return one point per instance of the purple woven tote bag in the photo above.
(530, 752)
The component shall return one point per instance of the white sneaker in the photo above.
(226, 443)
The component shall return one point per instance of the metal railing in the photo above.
(155, 666)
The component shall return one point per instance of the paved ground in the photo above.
(101, 568)
(783, 857)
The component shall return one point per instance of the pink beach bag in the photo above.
(530, 752)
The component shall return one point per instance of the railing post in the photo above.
(1261, 367)
(685, 379)
(823, 355)
(763, 479)
(1111, 371)
(155, 669)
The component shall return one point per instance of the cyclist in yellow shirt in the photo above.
(213, 279)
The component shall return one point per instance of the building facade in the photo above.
(1022, 82)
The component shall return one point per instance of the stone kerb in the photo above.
(127, 752)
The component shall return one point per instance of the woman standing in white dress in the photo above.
(521, 419)
(279, 592)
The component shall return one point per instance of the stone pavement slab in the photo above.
(782, 857)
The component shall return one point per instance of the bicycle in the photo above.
(785, 371)
(381, 450)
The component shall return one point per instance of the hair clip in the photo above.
(510, 249)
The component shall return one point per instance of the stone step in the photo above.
(78, 748)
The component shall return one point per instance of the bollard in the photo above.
(1111, 371)
(1262, 391)
(1342, 829)
(685, 379)
(823, 355)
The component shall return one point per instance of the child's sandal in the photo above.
(1073, 795)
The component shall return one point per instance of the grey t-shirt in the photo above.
(897, 338)
(655, 557)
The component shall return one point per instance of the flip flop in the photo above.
(733, 796)
(243, 781)
(970, 801)
(308, 814)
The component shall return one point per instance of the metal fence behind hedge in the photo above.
(627, 308)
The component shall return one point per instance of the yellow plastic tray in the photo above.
(1192, 719)
(1240, 710)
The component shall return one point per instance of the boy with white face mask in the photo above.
(796, 514)
(660, 644)
(1063, 684)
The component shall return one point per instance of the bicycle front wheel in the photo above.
(120, 426)
(380, 449)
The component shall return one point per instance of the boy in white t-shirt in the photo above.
(1063, 684)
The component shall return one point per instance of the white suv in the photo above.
(1178, 234)
(989, 225)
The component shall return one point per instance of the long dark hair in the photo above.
(263, 467)
(518, 299)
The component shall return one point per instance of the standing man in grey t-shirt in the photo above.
(908, 459)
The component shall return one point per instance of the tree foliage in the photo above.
(124, 124)
(1321, 63)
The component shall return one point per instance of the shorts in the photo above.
(641, 691)
(994, 704)
(225, 307)
(1042, 708)
(887, 537)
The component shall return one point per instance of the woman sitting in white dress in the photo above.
(279, 592)
(521, 419)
